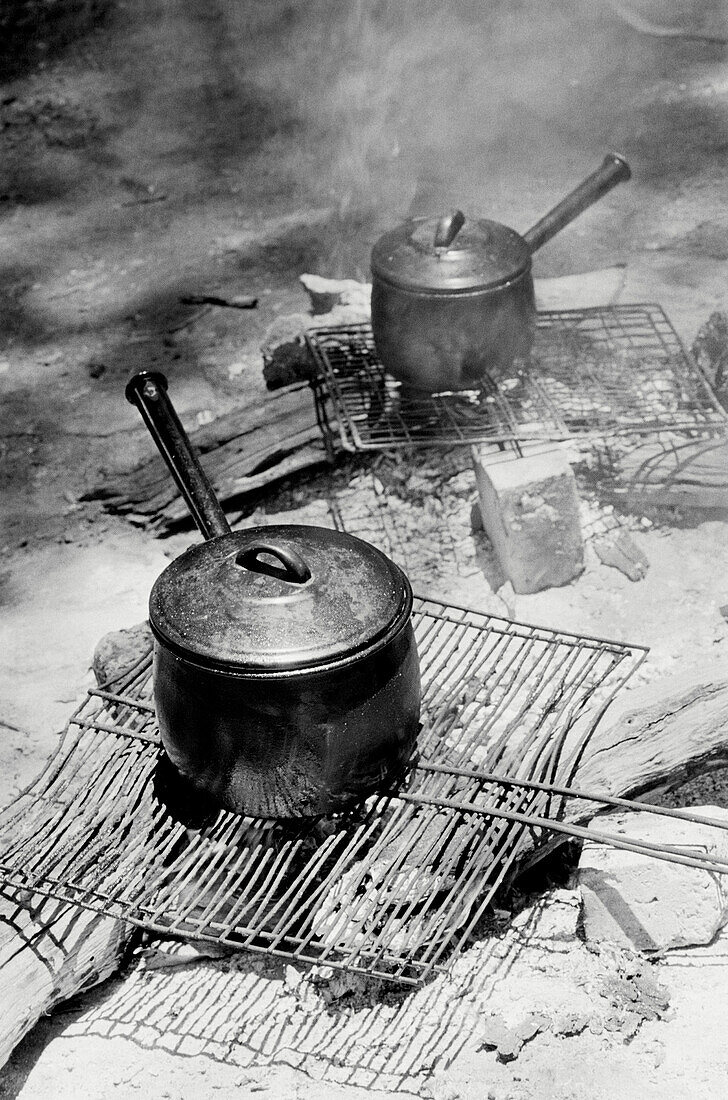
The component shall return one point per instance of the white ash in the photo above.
(254, 1010)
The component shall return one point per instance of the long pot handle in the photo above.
(148, 391)
(614, 170)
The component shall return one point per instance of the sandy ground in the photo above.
(251, 1026)
(187, 148)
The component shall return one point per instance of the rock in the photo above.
(293, 977)
(496, 1035)
(570, 1023)
(618, 549)
(530, 1027)
(530, 511)
(286, 359)
(648, 904)
(327, 294)
(120, 649)
(552, 920)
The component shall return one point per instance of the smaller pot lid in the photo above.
(278, 598)
(482, 254)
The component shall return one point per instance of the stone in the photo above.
(286, 358)
(495, 1035)
(327, 294)
(530, 1027)
(530, 512)
(648, 904)
(119, 650)
(619, 550)
(293, 977)
(570, 1023)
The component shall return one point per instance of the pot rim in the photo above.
(417, 290)
(353, 656)
(493, 255)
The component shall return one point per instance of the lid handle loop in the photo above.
(294, 568)
(448, 229)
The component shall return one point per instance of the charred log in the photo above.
(265, 440)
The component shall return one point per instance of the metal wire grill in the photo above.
(592, 371)
(389, 890)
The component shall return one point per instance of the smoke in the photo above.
(376, 109)
(416, 103)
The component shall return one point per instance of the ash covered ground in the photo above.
(154, 151)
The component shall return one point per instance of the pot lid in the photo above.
(480, 254)
(278, 598)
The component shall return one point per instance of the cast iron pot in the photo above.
(286, 676)
(453, 300)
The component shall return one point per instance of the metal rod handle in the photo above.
(148, 391)
(667, 852)
(613, 170)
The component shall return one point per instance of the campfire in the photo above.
(393, 885)
(407, 771)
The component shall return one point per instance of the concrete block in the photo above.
(530, 512)
(647, 904)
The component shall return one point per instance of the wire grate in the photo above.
(609, 369)
(389, 890)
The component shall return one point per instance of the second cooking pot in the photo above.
(286, 676)
(453, 299)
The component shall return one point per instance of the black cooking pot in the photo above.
(286, 677)
(453, 300)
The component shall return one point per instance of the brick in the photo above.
(530, 512)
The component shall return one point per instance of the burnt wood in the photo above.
(51, 950)
(679, 473)
(267, 439)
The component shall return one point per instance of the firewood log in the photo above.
(51, 950)
(679, 473)
(652, 740)
(268, 438)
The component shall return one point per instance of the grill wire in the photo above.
(391, 890)
(596, 371)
